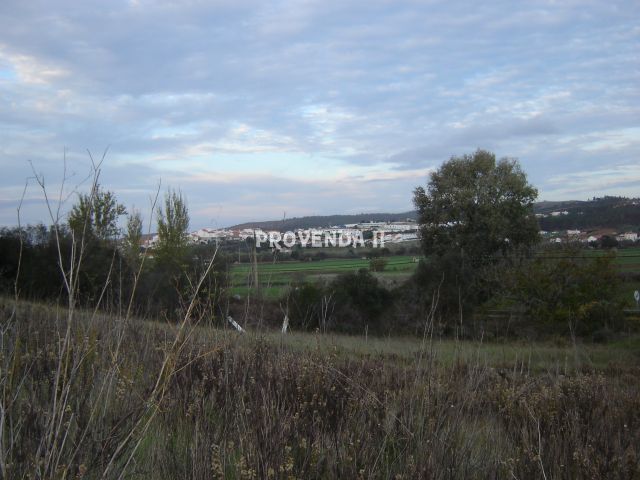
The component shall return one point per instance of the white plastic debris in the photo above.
(235, 324)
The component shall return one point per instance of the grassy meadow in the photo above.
(88, 395)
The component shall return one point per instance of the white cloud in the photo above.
(30, 70)
(622, 179)
(347, 92)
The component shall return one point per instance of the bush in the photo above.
(569, 293)
(377, 264)
(359, 301)
(608, 242)
(305, 306)
(351, 303)
(456, 285)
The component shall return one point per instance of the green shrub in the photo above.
(568, 292)
(377, 264)
(359, 301)
(305, 305)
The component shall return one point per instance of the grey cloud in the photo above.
(403, 83)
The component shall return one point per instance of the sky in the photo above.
(256, 110)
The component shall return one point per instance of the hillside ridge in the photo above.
(611, 212)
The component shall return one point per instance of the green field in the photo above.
(627, 259)
(276, 277)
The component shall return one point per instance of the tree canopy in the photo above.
(475, 210)
(173, 227)
(476, 207)
(96, 214)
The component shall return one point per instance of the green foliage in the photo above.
(360, 300)
(477, 207)
(305, 302)
(474, 212)
(350, 303)
(132, 238)
(39, 276)
(96, 214)
(377, 264)
(607, 242)
(28, 256)
(173, 228)
(573, 294)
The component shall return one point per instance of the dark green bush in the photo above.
(360, 301)
(568, 292)
(352, 302)
(377, 264)
(305, 306)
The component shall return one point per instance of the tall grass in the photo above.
(221, 406)
(64, 391)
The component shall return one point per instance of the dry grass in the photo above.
(224, 406)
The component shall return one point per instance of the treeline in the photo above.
(479, 240)
(107, 276)
(89, 260)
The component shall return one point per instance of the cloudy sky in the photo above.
(261, 109)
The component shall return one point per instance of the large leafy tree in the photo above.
(477, 207)
(473, 211)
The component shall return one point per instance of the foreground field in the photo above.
(94, 396)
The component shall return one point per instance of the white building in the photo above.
(628, 237)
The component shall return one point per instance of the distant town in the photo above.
(587, 236)
(376, 233)
(590, 236)
(371, 233)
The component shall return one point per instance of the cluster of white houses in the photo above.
(387, 232)
(552, 214)
(591, 236)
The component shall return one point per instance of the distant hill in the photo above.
(546, 207)
(326, 221)
(608, 212)
(619, 213)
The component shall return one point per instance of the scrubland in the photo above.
(91, 395)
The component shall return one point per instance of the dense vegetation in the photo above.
(106, 275)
